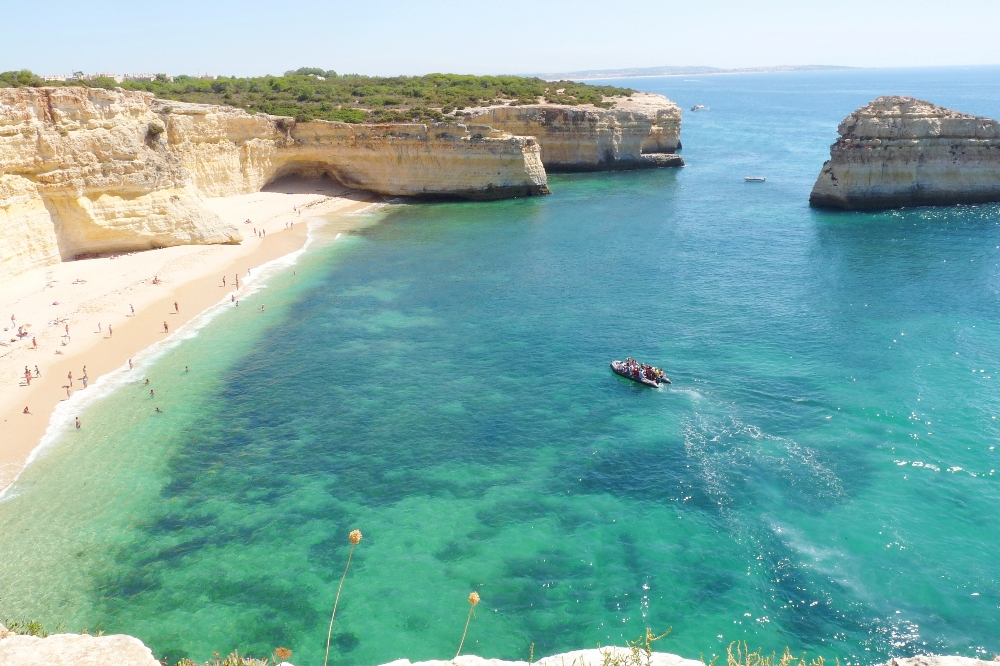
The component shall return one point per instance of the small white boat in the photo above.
(699, 107)
(754, 179)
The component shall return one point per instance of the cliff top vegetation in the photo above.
(311, 93)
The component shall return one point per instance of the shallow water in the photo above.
(819, 475)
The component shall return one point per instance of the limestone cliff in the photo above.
(86, 170)
(900, 151)
(227, 151)
(641, 132)
(81, 171)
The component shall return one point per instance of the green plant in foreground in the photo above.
(355, 537)
(742, 656)
(473, 600)
(640, 651)
(232, 659)
(25, 628)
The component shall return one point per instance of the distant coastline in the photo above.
(641, 72)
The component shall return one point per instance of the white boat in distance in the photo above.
(699, 107)
(754, 179)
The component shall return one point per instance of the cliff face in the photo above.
(636, 134)
(900, 151)
(88, 170)
(227, 151)
(80, 172)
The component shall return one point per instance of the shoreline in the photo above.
(104, 291)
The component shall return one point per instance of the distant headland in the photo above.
(639, 72)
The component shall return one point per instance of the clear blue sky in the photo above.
(252, 37)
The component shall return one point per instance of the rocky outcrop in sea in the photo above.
(901, 151)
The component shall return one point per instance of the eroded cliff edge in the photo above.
(122, 650)
(85, 170)
(901, 151)
(640, 132)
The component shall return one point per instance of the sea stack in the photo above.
(901, 151)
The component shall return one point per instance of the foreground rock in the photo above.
(931, 660)
(121, 650)
(575, 658)
(641, 132)
(86, 170)
(900, 151)
(74, 650)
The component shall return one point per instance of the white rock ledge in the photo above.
(74, 650)
(594, 657)
(122, 650)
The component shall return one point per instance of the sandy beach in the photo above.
(95, 299)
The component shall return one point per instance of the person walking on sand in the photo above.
(165, 327)
(111, 333)
(34, 342)
(98, 327)
(78, 423)
(27, 376)
(69, 376)
(176, 308)
(223, 280)
(132, 309)
(38, 373)
(130, 364)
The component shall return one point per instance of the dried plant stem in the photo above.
(329, 633)
(467, 620)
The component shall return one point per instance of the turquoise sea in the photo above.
(821, 473)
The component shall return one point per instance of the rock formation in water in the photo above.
(641, 132)
(900, 151)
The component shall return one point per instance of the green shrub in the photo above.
(300, 94)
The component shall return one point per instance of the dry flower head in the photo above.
(355, 537)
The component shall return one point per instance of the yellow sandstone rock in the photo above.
(641, 132)
(901, 151)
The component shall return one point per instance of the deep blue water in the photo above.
(819, 475)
